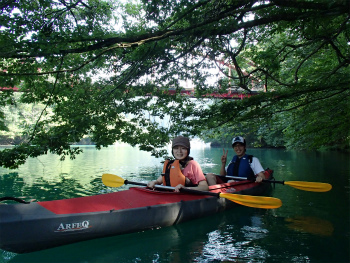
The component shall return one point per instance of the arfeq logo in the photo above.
(73, 226)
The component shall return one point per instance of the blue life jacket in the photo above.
(244, 169)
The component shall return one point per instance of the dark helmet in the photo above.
(181, 141)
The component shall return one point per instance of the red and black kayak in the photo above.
(28, 227)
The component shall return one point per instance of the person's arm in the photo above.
(211, 178)
(151, 184)
(202, 186)
(258, 170)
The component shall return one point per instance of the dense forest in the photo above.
(103, 70)
(21, 116)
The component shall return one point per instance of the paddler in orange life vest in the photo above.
(183, 171)
(242, 165)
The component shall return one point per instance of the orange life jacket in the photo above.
(172, 175)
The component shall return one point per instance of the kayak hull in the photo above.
(41, 225)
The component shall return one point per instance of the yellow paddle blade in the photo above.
(310, 186)
(112, 180)
(254, 201)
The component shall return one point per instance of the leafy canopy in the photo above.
(103, 68)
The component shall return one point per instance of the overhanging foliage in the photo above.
(103, 67)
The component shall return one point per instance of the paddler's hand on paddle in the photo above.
(178, 187)
(152, 184)
(260, 177)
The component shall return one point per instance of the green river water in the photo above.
(309, 227)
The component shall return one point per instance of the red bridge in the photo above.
(236, 95)
(10, 88)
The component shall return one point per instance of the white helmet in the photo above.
(239, 139)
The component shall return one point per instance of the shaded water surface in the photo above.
(309, 227)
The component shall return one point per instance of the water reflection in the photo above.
(236, 242)
(238, 235)
(42, 189)
(171, 244)
(311, 225)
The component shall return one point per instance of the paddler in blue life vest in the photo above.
(242, 165)
(183, 171)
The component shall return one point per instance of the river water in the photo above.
(309, 227)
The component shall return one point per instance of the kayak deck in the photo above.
(135, 197)
(41, 225)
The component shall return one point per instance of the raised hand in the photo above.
(224, 157)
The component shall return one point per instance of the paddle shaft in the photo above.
(113, 180)
(243, 178)
(305, 186)
(187, 190)
(5, 198)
